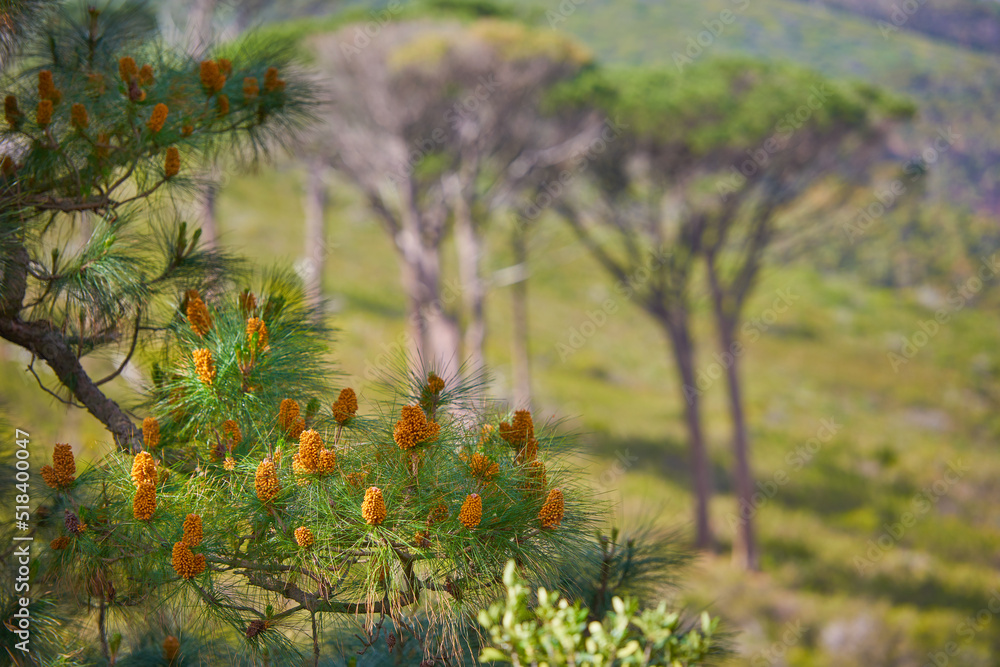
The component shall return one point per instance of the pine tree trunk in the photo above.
(745, 552)
(682, 347)
(520, 336)
(469, 244)
(199, 26)
(434, 333)
(206, 213)
(315, 234)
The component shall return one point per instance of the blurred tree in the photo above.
(713, 160)
(437, 124)
(314, 200)
(102, 122)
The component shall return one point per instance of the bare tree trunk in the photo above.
(682, 347)
(435, 335)
(469, 244)
(199, 26)
(199, 34)
(745, 552)
(315, 234)
(520, 336)
(206, 214)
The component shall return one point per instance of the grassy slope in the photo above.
(823, 358)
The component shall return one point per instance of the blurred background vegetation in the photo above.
(829, 592)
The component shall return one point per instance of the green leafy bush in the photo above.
(552, 632)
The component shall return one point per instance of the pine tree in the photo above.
(103, 125)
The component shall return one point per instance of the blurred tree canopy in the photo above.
(706, 172)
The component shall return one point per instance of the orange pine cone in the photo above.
(304, 537)
(158, 118)
(271, 80)
(248, 303)
(192, 530)
(11, 112)
(255, 325)
(438, 514)
(527, 453)
(204, 365)
(43, 116)
(535, 474)
(288, 413)
(63, 465)
(49, 475)
(346, 406)
(197, 314)
(310, 444)
(327, 461)
(231, 430)
(150, 432)
(373, 508)
(413, 428)
(435, 384)
(251, 89)
(146, 75)
(519, 431)
(143, 469)
(472, 511)
(212, 80)
(46, 86)
(172, 163)
(145, 502)
(482, 467)
(59, 543)
(78, 116)
(171, 645)
(127, 69)
(187, 564)
(266, 481)
(551, 514)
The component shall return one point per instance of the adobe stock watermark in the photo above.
(956, 299)
(553, 189)
(565, 9)
(758, 158)
(365, 32)
(775, 653)
(403, 345)
(966, 630)
(458, 112)
(624, 460)
(921, 503)
(714, 29)
(899, 16)
(795, 460)
(887, 196)
(752, 330)
(578, 335)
